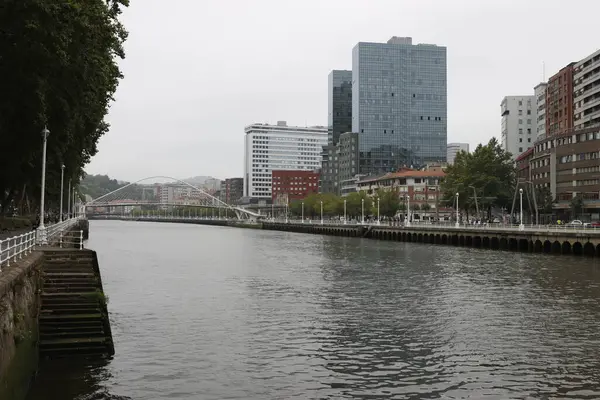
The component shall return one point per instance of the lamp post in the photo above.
(74, 209)
(42, 229)
(521, 226)
(272, 210)
(362, 204)
(286, 212)
(457, 223)
(378, 221)
(344, 211)
(302, 212)
(407, 210)
(69, 200)
(62, 177)
(321, 212)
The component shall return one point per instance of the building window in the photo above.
(528, 112)
(528, 140)
(520, 140)
(520, 121)
(520, 103)
(520, 149)
(520, 112)
(520, 131)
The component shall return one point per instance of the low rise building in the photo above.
(421, 187)
(288, 185)
(232, 190)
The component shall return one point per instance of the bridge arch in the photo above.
(194, 197)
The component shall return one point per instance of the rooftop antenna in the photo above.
(543, 71)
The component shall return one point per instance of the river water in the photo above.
(203, 312)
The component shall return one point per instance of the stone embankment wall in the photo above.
(20, 286)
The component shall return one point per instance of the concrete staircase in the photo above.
(73, 317)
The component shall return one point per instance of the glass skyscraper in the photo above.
(399, 104)
(339, 99)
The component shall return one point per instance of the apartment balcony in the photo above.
(589, 92)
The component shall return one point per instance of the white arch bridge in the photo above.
(157, 194)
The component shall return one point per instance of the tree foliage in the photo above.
(58, 68)
(389, 203)
(488, 172)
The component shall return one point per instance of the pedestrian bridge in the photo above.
(158, 195)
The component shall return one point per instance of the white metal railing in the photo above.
(15, 248)
(71, 239)
(446, 225)
(54, 231)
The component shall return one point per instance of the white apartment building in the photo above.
(540, 101)
(452, 150)
(279, 147)
(519, 124)
(586, 91)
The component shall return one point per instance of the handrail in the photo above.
(15, 248)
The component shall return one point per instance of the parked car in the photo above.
(595, 224)
(575, 223)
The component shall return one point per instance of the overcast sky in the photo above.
(198, 71)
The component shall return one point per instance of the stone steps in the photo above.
(73, 319)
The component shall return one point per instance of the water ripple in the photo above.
(218, 313)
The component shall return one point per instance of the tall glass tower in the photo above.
(339, 98)
(399, 104)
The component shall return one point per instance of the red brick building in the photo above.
(559, 102)
(523, 166)
(293, 185)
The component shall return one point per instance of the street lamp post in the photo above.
(272, 210)
(344, 211)
(407, 210)
(521, 226)
(302, 212)
(42, 229)
(69, 200)
(286, 212)
(362, 203)
(457, 223)
(74, 209)
(321, 212)
(62, 189)
(378, 223)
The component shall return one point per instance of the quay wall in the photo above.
(20, 286)
(542, 240)
(537, 241)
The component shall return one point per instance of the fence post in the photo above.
(80, 239)
(8, 258)
(21, 246)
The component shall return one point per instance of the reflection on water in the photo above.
(214, 313)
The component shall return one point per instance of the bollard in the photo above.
(81, 240)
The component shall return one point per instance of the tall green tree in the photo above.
(488, 172)
(58, 68)
(389, 203)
